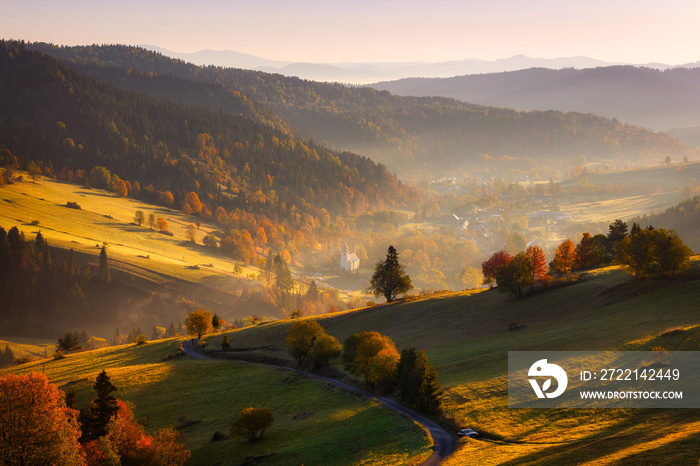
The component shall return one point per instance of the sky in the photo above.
(334, 31)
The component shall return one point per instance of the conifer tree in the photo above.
(389, 279)
(104, 267)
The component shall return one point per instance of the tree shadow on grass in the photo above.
(608, 441)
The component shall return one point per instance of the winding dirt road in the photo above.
(442, 441)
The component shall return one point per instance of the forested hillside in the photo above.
(643, 96)
(684, 218)
(244, 173)
(418, 137)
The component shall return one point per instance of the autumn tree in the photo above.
(191, 233)
(381, 369)
(490, 267)
(326, 347)
(565, 257)
(162, 224)
(139, 217)
(198, 322)
(252, 423)
(370, 345)
(152, 221)
(516, 275)
(126, 442)
(389, 278)
(301, 337)
(36, 426)
(191, 204)
(539, 263)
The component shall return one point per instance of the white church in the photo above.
(349, 262)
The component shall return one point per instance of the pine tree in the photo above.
(94, 420)
(389, 278)
(104, 267)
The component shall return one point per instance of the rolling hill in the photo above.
(466, 336)
(314, 423)
(642, 96)
(420, 138)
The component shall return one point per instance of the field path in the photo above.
(442, 441)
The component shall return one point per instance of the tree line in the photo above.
(644, 252)
(40, 425)
(372, 356)
(42, 286)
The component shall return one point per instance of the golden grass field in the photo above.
(87, 229)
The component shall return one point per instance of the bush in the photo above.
(225, 345)
(252, 423)
(140, 339)
(73, 205)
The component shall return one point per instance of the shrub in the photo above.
(252, 423)
(140, 339)
(73, 205)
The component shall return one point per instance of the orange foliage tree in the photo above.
(565, 257)
(36, 426)
(127, 441)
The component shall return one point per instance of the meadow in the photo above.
(466, 335)
(314, 423)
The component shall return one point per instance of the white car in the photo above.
(471, 433)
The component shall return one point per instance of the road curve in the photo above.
(442, 441)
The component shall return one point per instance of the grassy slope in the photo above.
(171, 259)
(667, 178)
(342, 430)
(27, 347)
(466, 337)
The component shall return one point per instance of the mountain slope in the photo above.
(51, 113)
(466, 336)
(658, 99)
(417, 137)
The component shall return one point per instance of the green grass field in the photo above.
(466, 336)
(338, 428)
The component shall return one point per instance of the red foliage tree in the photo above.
(36, 427)
(127, 441)
(539, 262)
(489, 268)
(565, 257)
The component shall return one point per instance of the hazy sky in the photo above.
(635, 31)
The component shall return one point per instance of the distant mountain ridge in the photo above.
(372, 72)
(418, 137)
(644, 96)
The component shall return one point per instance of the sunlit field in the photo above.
(314, 423)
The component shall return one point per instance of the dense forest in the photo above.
(243, 173)
(421, 137)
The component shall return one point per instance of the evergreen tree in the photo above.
(617, 231)
(312, 292)
(94, 420)
(7, 357)
(389, 278)
(283, 276)
(104, 267)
